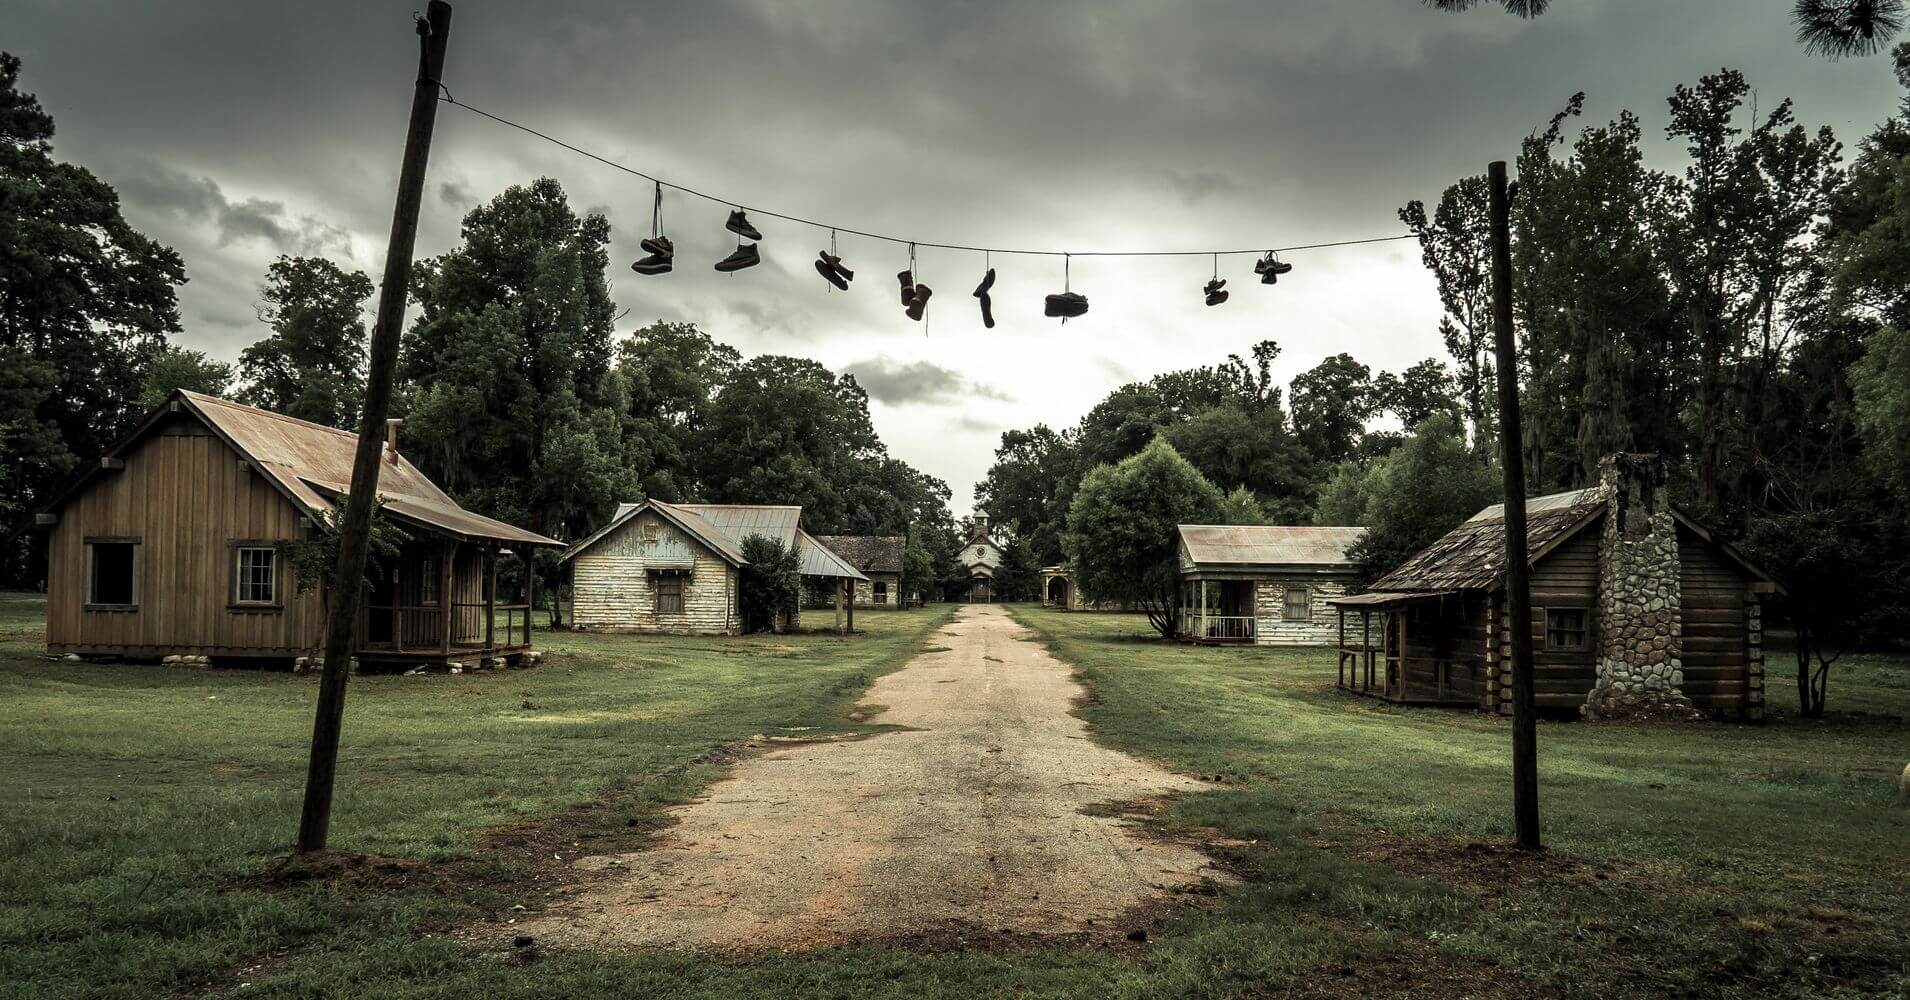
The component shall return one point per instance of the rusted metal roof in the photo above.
(448, 518)
(819, 560)
(1377, 598)
(1472, 556)
(868, 553)
(723, 527)
(1255, 546)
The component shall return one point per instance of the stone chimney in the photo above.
(391, 438)
(1639, 627)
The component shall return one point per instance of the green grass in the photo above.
(1715, 859)
(142, 804)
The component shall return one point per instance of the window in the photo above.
(881, 592)
(427, 580)
(256, 579)
(1565, 628)
(669, 591)
(110, 576)
(1299, 605)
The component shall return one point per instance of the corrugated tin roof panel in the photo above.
(819, 560)
(1268, 544)
(1472, 556)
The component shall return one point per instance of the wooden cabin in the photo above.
(1262, 584)
(879, 558)
(1636, 610)
(673, 567)
(176, 544)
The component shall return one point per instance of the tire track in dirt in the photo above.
(969, 820)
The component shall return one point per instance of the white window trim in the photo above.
(240, 581)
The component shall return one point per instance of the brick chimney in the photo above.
(1640, 632)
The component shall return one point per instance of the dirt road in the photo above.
(970, 820)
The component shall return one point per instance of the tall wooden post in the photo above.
(839, 591)
(490, 599)
(849, 603)
(434, 30)
(447, 608)
(1518, 583)
(530, 590)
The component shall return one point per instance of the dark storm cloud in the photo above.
(1063, 124)
(902, 383)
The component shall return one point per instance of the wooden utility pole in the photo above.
(354, 536)
(1518, 575)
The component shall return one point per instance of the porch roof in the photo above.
(1266, 547)
(1383, 598)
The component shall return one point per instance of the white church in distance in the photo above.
(980, 557)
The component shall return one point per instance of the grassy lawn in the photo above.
(144, 808)
(1711, 859)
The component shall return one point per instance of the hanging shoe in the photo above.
(658, 245)
(918, 302)
(835, 264)
(743, 256)
(830, 274)
(662, 257)
(1216, 291)
(1067, 305)
(988, 305)
(907, 281)
(739, 224)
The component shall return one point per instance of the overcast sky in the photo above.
(239, 131)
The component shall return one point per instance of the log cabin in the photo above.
(674, 567)
(1263, 584)
(176, 543)
(1637, 610)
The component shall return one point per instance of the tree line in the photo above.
(1743, 315)
(517, 394)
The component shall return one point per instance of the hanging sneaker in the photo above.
(1216, 291)
(830, 274)
(918, 302)
(658, 245)
(1067, 305)
(907, 281)
(743, 256)
(653, 264)
(835, 264)
(988, 305)
(739, 224)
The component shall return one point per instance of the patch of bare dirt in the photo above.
(977, 823)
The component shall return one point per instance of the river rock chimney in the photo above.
(1640, 631)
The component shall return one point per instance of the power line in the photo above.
(652, 178)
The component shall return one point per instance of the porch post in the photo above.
(839, 610)
(1203, 607)
(447, 606)
(398, 603)
(530, 591)
(490, 598)
(849, 602)
(1366, 649)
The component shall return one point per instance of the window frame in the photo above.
(235, 549)
(428, 595)
(1584, 629)
(679, 584)
(879, 592)
(92, 572)
(1286, 603)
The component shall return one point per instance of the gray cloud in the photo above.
(903, 383)
(192, 199)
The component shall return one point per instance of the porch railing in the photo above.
(1225, 628)
(419, 628)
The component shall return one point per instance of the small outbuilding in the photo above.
(879, 557)
(1263, 584)
(177, 543)
(669, 567)
(1636, 609)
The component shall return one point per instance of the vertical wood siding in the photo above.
(187, 497)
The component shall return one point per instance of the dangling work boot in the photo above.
(988, 305)
(918, 302)
(739, 224)
(1067, 305)
(835, 264)
(907, 280)
(743, 256)
(1216, 291)
(830, 274)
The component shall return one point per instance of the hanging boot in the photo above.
(1216, 291)
(1067, 305)
(988, 305)
(662, 256)
(835, 264)
(918, 302)
(907, 280)
(830, 274)
(743, 256)
(739, 224)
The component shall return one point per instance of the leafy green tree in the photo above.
(1028, 488)
(1332, 401)
(670, 373)
(312, 365)
(88, 302)
(769, 589)
(1881, 384)
(1018, 578)
(1121, 528)
(1240, 507)
(1454, 243)
(1255, 451)
(1418, 393)
(787, 430)
(507, 388)
(1425, 488)
(179, 368)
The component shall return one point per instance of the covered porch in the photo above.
(1410, 648)
(1216, 610)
